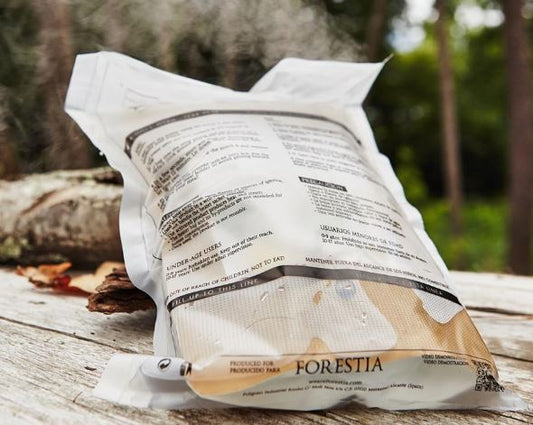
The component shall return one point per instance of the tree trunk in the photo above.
(115, 33)
(374, 30)
(68, 148)
(450, 133)
(163, 19)
(520, 136)
(8, 159)
(61, 216)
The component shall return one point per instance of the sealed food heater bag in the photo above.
(287, 267)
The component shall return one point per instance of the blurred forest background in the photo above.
(452, 109)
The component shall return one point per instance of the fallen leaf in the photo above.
(47, 275)
(53, 276)
(109, 287)
(88, 282)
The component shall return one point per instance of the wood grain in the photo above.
(52, 352)
(495, 292)
(508, 336)
(22, 303)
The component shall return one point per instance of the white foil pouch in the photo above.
(287, 267)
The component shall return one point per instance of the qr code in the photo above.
(485, 381)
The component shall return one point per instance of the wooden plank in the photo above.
(516, 376)
(504, 334)
(484, 292)
(496, 292)
(45, 373)
(22, 302)
(47, 381)
(51, 345)
(31, 305)
(510, 336)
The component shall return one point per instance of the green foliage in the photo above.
(93, 24)
(352, 17)
(18, 58)
(403, 110)
(403, 106)
(409, 174)
(483, 246)
(482, 112)
(16, 38)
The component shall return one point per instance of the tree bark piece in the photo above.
(520, 137)
(61, 216)
(118, 295)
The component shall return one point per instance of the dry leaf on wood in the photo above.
(89, 282)
(54, 276)
(110, 288)
(48, 276)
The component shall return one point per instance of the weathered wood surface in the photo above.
(52, 352)
(496, 292)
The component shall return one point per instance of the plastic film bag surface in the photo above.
(287, 267)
